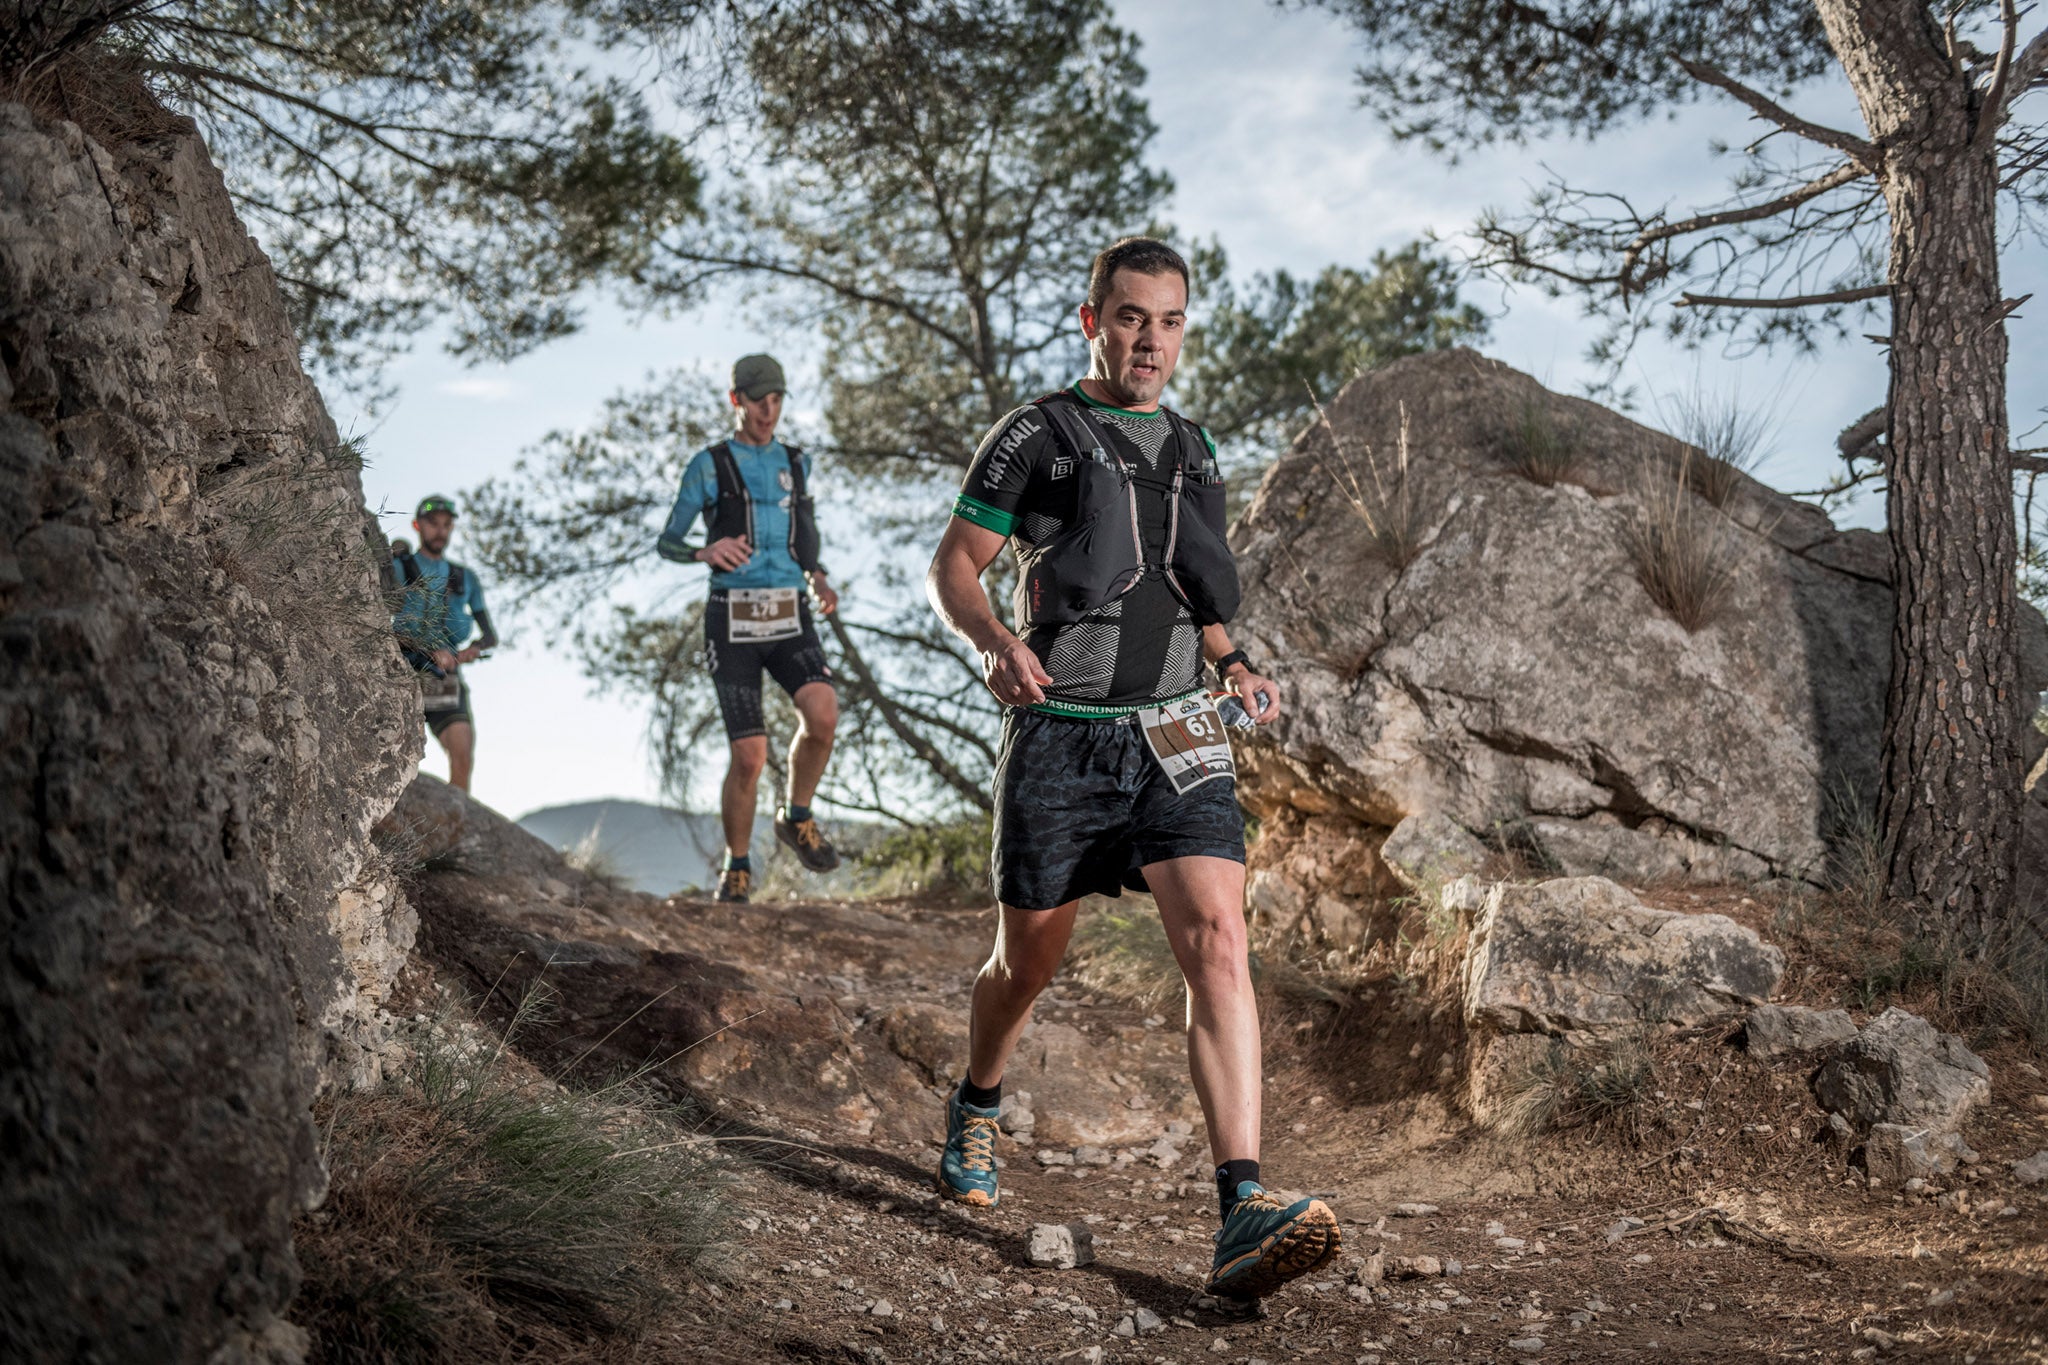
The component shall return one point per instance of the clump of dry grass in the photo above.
(1683, 552)
(1726, 441)
(477, 1213)
(1570, 1087)
(1539, 448)
(1382, 499)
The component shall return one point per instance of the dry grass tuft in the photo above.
(1726, 442)
(1683, 552)
(1382, 499)
(1571, 1087)
(477, 1214)
(1540, 448)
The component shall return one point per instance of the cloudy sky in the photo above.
(1261, 130)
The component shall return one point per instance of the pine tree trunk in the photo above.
(1949, 807)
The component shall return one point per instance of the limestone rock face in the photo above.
(1902, 1070)
(1580, 957)
(1515, 675)
(203, 714)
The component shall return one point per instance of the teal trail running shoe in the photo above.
(967, 1170)
(1263, 1243)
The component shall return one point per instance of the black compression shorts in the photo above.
(458, 714)
(736, 669)
(1082, 807)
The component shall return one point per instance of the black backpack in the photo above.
(733, 513)
(1101, 555)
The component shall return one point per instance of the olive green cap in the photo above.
(433, 502)
(757, 376)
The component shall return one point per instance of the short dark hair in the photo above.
(1146, 255)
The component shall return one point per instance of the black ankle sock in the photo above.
(738, 863)
(1229, 1176)
(981, 1097)
(796, 815)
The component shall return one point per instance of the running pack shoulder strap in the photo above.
(730, 484)
(409, 570)
(1075, 429)
(796, 470)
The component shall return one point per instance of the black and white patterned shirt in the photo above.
(1142, 648)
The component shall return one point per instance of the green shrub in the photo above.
(930, 860)
(1541, 449)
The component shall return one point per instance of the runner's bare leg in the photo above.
(458, 741)
(736, 797)
(1029, 946)
(1201, 903)
(817, 708)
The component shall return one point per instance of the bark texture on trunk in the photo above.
(1949, 808)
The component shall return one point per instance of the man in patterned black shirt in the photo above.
(1115, 770)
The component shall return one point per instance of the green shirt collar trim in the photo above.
(1077, 391)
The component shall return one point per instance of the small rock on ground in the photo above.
(1061, 1246)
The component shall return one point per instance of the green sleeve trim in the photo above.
(981, 514)
(1207, 439)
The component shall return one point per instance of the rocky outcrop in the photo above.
(1773, 1031)
(1459, 640)
(1581, 958)
(203, 714)
(1901, 1069)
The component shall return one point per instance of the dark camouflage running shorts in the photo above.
(1082, 807)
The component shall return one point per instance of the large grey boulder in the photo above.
(1515, 672)
(1902, 1070)
(1785, 1030)
(1581, 958)
(202, 715)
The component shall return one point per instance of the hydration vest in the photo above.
(733, 513)
(409, 570)
(1102, 554)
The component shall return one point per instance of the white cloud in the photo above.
(480, 387)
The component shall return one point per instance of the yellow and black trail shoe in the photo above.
(807, 841)
(733, 885)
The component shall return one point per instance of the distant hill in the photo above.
(649, 848)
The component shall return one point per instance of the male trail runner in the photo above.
(440, 603)
(1114, 769)
(762, 546)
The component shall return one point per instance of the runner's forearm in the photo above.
(1215, 643)
(487, 637)
(954, 587)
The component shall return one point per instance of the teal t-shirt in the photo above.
(427, 617)
(765, 470)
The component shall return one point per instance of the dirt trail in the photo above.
(833, 1042)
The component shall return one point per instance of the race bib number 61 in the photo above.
(1188, 739)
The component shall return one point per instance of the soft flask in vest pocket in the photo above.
(1090, 564)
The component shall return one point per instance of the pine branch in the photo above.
(1849, 145)
(1858, 295)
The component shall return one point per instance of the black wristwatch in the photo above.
(1235, 656)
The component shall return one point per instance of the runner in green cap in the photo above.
(761, 541)
(441, 603)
